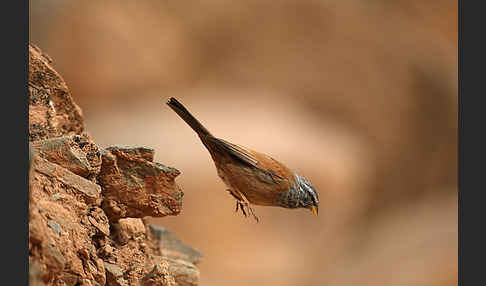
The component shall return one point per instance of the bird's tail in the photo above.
(188, 117)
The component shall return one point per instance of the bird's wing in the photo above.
(236, 151)
(253, 159)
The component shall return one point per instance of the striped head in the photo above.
(301, 195)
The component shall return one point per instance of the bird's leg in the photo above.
(239, 204)
(250, 210)
(245, 202)
(242, 207)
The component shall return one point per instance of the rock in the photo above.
(141, 152)
(99, 220)
(106, 251)
(58, 240)
(76, 153)
(69, 279)
(159, 276)
(114, 270)
(134, 186)
(35, 275)
(52, 111)
(55, 226)
(114, 275)
(129, 229)
(185, 273)
(171, 246)
(71, 241)
(55, 257)
(89, 191)
(61, 249)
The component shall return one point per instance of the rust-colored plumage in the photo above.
(252, 177)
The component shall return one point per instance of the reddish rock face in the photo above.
(77, 153)
(134, 186)
(52, 111)
(60, 233)
(86, 203)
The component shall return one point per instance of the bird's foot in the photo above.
(249, 210)
(242, 203)
(240, 206)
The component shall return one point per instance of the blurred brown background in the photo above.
(358, 96)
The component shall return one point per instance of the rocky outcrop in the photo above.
(86, 203)
(52, 111)
(135, 186)
(77, 153)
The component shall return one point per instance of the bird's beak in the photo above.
(315, 210)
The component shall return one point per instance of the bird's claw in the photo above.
(249, 211)
(241, 203)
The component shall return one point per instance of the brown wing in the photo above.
(236, 151)
(272, 170)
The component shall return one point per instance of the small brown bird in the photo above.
(252, 177)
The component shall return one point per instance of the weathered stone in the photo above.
(172, 247)
(129, 229)
(141, 152)
(67, 279)
(55, 256)
(71, 241)
(114, 275)
(99, 220)
(159, 276)
(55, 226)
(135, 187)
(58, 241)
(90, 191)
(106, 250)
(52, 111)
(185, 273)
(76, 153)
(35, 274)
(114, 270)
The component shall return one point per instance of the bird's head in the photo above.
(310, 198)
(301, 195)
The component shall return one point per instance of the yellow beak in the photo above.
(314, 210)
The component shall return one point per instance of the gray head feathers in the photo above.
(302, 195)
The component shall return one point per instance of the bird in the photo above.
(252, 178)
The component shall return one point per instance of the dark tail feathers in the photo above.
(187, 117)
